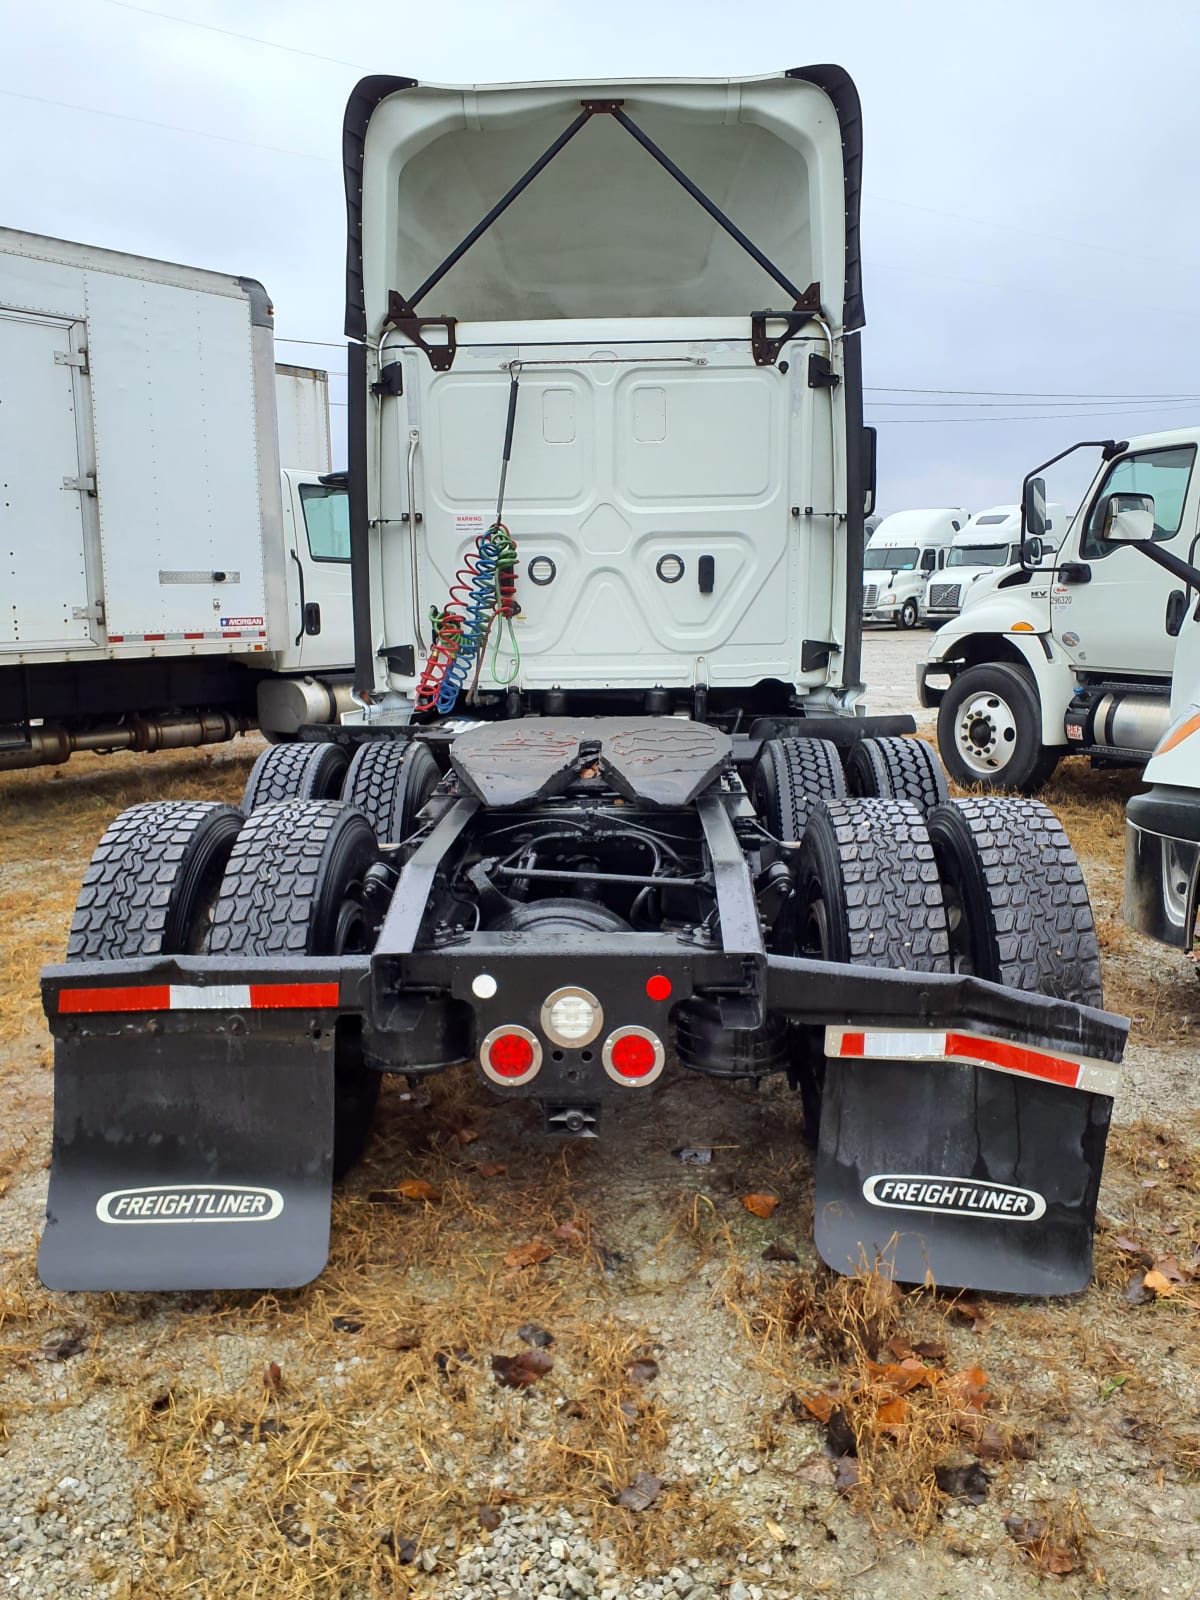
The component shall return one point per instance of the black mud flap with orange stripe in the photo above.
(961, 1159)
(193, 1128)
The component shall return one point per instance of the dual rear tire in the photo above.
(984, 886)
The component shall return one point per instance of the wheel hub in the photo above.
(986, 733)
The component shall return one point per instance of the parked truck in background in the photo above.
(302, 417)
(987, 545)
(1074, 656)
(902, 553)
(165, 580)
(608, 808)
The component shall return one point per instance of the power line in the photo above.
(1048, 416)
(231, 33)
(1034, 394)
(327, 344)
(1012, 227)
(169, 127)
(1009, 405)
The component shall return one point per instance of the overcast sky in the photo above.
(1030, 217)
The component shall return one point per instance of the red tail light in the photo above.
(633, 1056)
(510, 1054)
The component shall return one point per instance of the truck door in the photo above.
(1116, 620)
(319, 581)
(46, 497)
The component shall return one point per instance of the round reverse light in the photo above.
(510, 1054)
(633, 1056)
(483, 986)
(572, 1017)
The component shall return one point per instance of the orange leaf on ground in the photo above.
(819, 1406)
(969, 1388)
(760, 1205)
(528, 1255)
(492, 1169)
(892, 1413)
(1158, 1283)
(417, 1189)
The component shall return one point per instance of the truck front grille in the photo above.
(870, 596)
(943, 596)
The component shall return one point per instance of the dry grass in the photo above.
(50, 820)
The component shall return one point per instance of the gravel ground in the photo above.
(140, 1463)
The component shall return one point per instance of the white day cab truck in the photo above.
(987, 546)
(609, 807)
(902, 553)
(1162, 825)
(1073, 656)
(165, 580)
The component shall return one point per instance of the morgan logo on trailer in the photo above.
(954, 1197)
(242, 622)
(190, 1202)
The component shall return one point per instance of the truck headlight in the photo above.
(887, 600)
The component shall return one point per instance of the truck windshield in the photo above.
(900, 558)
(977, 555)
(1163, 473)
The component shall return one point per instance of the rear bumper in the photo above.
(202, 1091)
(206, 997)
(1162, 865)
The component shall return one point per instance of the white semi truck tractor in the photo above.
(609, 808)
(1072, 656)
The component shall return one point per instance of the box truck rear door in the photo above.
(44, 489)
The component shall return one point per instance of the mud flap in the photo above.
(190, 1157)
(970, 1177)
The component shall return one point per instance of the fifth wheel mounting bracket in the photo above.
(402, 311)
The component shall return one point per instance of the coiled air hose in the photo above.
(484, 589)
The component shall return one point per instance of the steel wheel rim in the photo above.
(985, 733)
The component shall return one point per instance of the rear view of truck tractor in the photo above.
(608, 808)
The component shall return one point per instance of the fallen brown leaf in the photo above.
(818, 1470)
(644, 1370)
(528, 1255)
(568, 1233)
(533, 1333)
(272, 1377)
(819, 1406)
(1158, 1284)
(492, 1169)
(641, 1494)
(489, 1518)
(400, 1339)
(410, 1189)
(519, 1371)
(463, 1136)
(61, 1346)
(760, 1205)
(1170, 1269)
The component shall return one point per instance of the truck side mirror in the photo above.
(870, 440)
(1126, 518)
(1031, 552)
(1033, 509)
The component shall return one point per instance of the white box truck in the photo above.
(903, 552)
(162, 581)
(302, 417)
(1074, 657)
